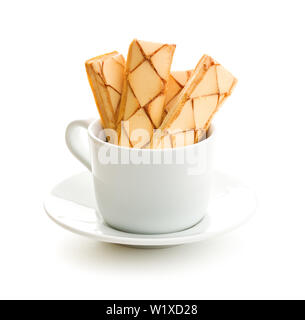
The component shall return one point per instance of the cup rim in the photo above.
(94, 137)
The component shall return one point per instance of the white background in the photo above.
(43, 86)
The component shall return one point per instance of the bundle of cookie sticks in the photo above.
(142, 104)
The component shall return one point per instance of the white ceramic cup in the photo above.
(146, 191)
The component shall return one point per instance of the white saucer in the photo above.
(71, 205)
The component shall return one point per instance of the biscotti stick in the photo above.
(160, 142)
(106, 76)
(205, 91)
(176, 83)
(142, 104)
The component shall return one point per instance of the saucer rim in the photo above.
(131, 240)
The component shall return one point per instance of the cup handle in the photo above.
(79, 150)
